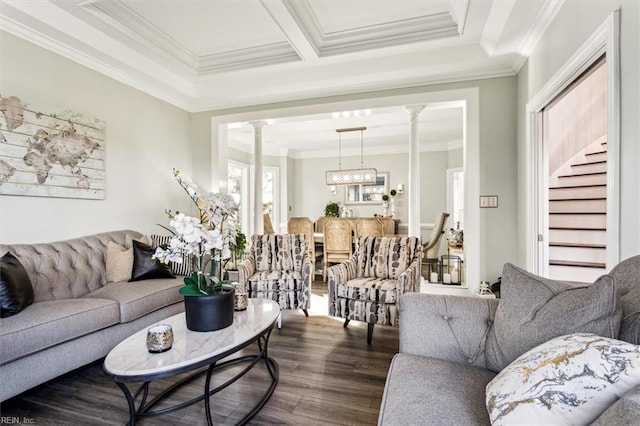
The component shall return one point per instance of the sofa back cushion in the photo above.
(534, 309)
(627, 276)
(278, 252)
(386, 257)
(67, 269)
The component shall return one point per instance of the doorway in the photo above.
(573, 127)
(574, 148)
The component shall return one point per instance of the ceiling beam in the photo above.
(291, 29)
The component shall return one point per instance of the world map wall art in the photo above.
(50, 152)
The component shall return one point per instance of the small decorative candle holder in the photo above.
(159, 338)
(451, 267)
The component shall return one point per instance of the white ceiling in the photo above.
(216, 54)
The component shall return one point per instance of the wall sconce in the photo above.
(333, 189)
(400, 188)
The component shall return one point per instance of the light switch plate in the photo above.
(488, 201)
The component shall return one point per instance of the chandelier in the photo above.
(359, 176)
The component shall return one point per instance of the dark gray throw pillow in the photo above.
(146, 268)
(534, 309)
(16, 291)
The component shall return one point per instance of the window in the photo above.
(239, 190)
(455, 197)
(270, 180)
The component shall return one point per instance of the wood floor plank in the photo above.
(329, 375)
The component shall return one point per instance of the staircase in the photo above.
(578, 216)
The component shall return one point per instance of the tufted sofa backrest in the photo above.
(386, 257)
(67, 269)
(278, 252)
(627, 276)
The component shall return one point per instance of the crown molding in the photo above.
(411, 30)
(500, 14)
(120, 17)
(537, 30)
(123, 19)
(271, 54)
(47, 41)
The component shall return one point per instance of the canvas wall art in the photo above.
(50, 152)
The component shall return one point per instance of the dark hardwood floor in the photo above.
(328, 376)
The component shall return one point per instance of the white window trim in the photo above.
(450, 173)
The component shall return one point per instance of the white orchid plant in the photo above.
(213, 234)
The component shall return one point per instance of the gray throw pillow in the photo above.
(533, 310)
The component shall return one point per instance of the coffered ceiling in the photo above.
(202, 55)
(216, 54)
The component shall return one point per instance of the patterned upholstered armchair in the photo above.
(279, 267)
(368, 286)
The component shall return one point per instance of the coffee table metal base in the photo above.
(144, 408)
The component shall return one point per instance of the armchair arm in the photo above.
(307, 268)
(409, 280)
(338, 274)
(342, 272)
(246, 269)
(308, 273)
(452, 328)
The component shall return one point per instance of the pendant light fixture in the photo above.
(359, 176)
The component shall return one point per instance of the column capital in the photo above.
(258, 124)
(414, 110)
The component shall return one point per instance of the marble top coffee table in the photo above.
(130, 361)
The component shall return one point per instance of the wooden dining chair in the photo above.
(304, 225)
(319, 225)
(338, 242)
(369, 227)
(388, 226)
(431, 249)
(268, 226)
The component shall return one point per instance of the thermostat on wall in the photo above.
(488, 201)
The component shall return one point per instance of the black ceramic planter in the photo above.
(209, 313)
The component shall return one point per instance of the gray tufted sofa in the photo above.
(76, 317)
(439, 376)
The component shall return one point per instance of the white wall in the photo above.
(146, 138)
(574, 24)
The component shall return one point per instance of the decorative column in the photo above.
(413, 186)
(258, 220)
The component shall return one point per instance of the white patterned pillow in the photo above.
(571, 379)
(185, 267)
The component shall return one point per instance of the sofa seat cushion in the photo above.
(139, 298)
(275, 280)
(366, 311)
(421, 390)
(49, 323)
(369, 289)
